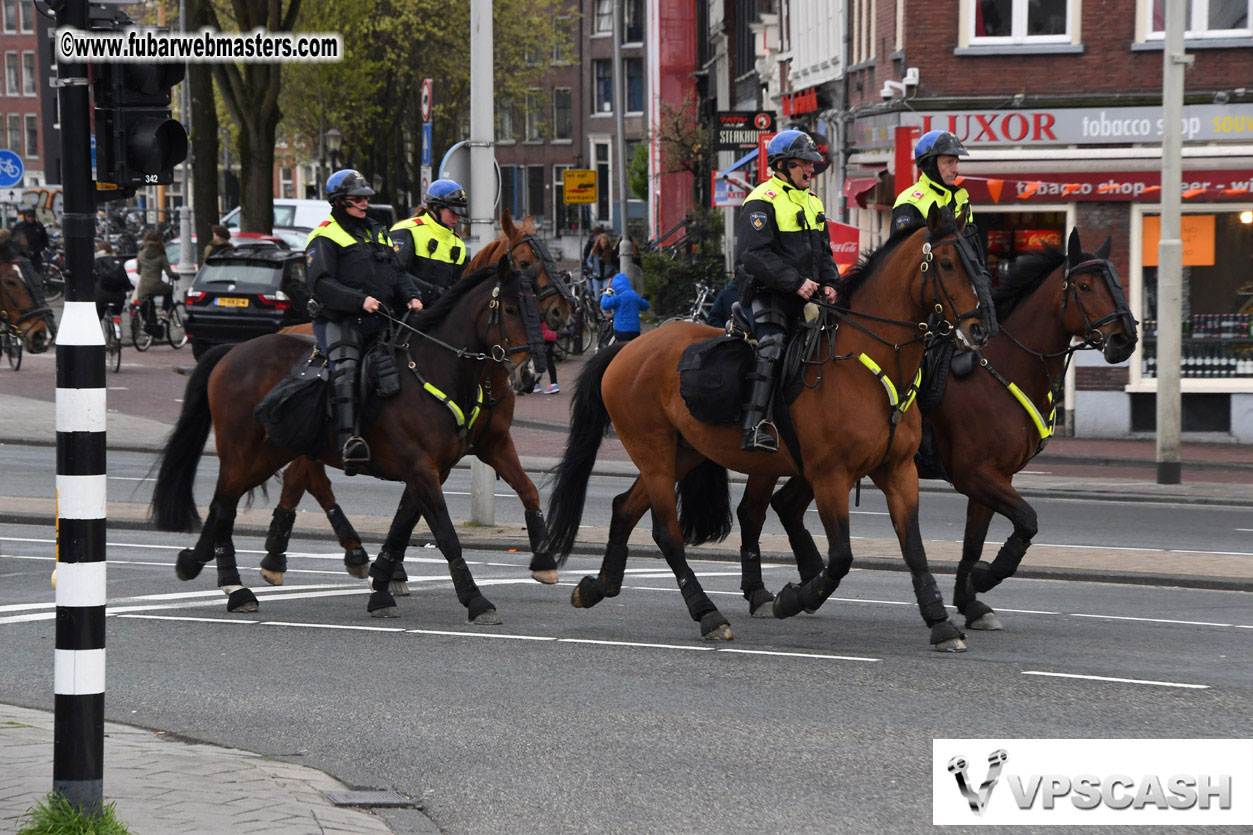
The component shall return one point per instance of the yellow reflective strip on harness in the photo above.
(1032, 412)
(913, 391)
(457, 415)
(893, 397)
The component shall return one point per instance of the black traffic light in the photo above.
(137, 142)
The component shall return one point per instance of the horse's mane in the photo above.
(436, 313)
(870, 261)
(1025, 276)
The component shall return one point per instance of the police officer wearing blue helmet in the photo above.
(936, 155)
(784, 256)
(351, 272)
(427, 244)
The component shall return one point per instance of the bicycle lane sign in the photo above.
(11, 169)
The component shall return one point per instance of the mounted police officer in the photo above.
(427, 244)
(936, 155)
(352, 271)
(784, 253)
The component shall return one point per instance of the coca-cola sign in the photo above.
(844, 242)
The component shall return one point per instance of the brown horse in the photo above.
(489, 440)
(853, 420)
(990, 422)
(484, 320)
(33, 319)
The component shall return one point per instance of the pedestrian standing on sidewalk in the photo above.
(626, 305)
(550, 347)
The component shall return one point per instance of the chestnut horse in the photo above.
(989, 423)
(33, 319)
(853, 420)
(489, 439)
(487, 318)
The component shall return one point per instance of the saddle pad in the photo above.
(294, 412)
(712, 377)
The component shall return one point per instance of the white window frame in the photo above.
(533, 120)
(596, 88)
(30, 128)
(30, 75)
(599, 12)
(26, 17)
(506, 134)
(7, 4)
(12, 132)
(563, 41)
(1195, 28)
(626, 85)
(569, 110)
(13, 82)
(1018, 28)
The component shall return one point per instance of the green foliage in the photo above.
(57, 816)
(637, 172)
(672, 273)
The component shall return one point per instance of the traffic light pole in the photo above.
(186, 249)
(78, 735)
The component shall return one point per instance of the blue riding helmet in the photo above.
(938, 143)
(792, 144)
(448, 194)
(347, 183)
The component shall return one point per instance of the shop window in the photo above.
(1217, 317)
(1009, 235)
(996, 22)
(1197, 413)
(1205, 19)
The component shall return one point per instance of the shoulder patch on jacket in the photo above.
(417, 221)
(917, 194)
(309, 258)
(770, 194)
(324, 223)
(758, 220)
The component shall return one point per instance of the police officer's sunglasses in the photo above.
(361, 200)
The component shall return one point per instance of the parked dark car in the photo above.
(239, 296)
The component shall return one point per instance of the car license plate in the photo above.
(227, 301)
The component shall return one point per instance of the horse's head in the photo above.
(955, 286)
(527, 252)
(27, 315)
(509, 322)
(1094, 307)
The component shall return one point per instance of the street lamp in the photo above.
(334, 141)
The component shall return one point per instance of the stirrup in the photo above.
(756, 438)
(355, 452)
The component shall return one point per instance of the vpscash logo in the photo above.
(1093, 781)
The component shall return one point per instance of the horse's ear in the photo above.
(1074, 249)
(1103, 252)
(506, 224)
(934, 217)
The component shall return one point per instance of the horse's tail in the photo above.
(704, 498)
(173, 504)
(589, 423)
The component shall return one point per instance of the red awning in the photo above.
(856, 188)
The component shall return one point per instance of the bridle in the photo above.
(555, 284)
(1122, 310)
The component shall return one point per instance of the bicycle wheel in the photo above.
(139, 334)
(174, 332)
(13, 349)
(54, 282)
(112, 344)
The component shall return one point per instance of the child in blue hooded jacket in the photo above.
(626, 305)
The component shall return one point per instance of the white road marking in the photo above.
(184, 618)
(798, 654)
(1118, 680)
(632, 644)
(1152, 620)
(349, 627)
(857, 512)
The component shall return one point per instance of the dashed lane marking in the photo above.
(1118, 680)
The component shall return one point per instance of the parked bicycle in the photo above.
(148, 324)
(586, 322)
(10, 341)
(111, 325)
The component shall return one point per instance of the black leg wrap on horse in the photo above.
(986, 576)
(750, 572)
(975, 609)
(228, 572)
(344, 531)
(280, 530)
(189, 564)
(536, 533)
(274, 562)
(382, 572)
(787, 603)
(758, 598)
(945, 631)
(399, 575)
(613, 568)
(380, 599)
(711, 621)
(241, 600)
(698, 603)
(930, 601)
(477, 606)
(463, 581)
(587, 593)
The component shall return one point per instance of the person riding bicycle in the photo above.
(784, 256)
(427, 245)
(936, 155)
(352, 272)
(153, 262)
(111, 282)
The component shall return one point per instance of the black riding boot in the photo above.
(760, 433)
(352, 447)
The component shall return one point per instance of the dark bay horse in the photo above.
(489, 439)
(480, 322)
(34, 319)
(991, 422)
(851, 421)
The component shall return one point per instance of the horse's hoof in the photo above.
(242, 600)
(487, 617)
(714, 627)
(586, 594)
(274, 578)
(399, 588)
(951, 645)
(761, 604)
(788, 602)
(357, 562)
(187, 566)
(382, 605)
(548, 577)
(385, 612)
(988, 623)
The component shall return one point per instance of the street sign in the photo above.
(738, 130)
(11, 169)
(426, 144)
(728, 190)
(426, 180)
(579, 186)
(426, 101)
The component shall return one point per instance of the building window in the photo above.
(534, 116)
(26, 16)
(1207, 19)
(10, 15)
(563, 117)
(12, 81)
(535, 193)
(565, 215)
(602, 83)
(505, 133)
(32, 136)
(29, 87)
(286, 184)
(633, 29)
(507, 189)
(1020, 21)
(603, 20)
(563, 41)
(602, 181)
(15, 133)
(634, 69)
